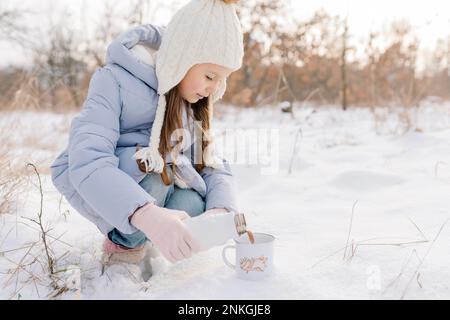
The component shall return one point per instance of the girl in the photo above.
(122, 169)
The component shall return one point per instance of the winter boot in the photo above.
(141, 256)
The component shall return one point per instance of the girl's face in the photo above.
(201, 81)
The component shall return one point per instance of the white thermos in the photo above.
(215, 229)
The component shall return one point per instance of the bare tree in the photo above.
(344, 84)
(115, 20)
(58, 64)
(262, 28)
(109, 25)
(273, 41)
(439, 70)
(12, 26)
(373, 55)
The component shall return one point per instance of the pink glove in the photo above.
(164, 228)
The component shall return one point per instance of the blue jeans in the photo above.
(170, 197)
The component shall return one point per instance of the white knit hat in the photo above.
(203, 31)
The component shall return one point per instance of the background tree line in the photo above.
(285, 60)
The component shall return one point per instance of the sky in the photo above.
(431, 18)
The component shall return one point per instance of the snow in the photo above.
(350, 172)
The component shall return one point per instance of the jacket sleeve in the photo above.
(128, 164)
(220, 188)
(93, 166)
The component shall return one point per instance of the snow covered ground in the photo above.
(397, 185)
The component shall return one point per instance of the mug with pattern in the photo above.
(254, 261)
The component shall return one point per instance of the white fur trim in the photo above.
(144, 54)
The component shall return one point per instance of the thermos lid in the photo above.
(241, 224)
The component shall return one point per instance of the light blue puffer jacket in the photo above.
(97, 173)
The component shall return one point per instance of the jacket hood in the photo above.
(119, 52)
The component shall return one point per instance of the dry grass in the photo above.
(28, 94)
(40, 264)
(11, 185)
(31, 137)
(394, 120)
(381, 242)
(12, 178)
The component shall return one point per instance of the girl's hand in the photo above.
(164, 227)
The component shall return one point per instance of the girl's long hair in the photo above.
(202, 111)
